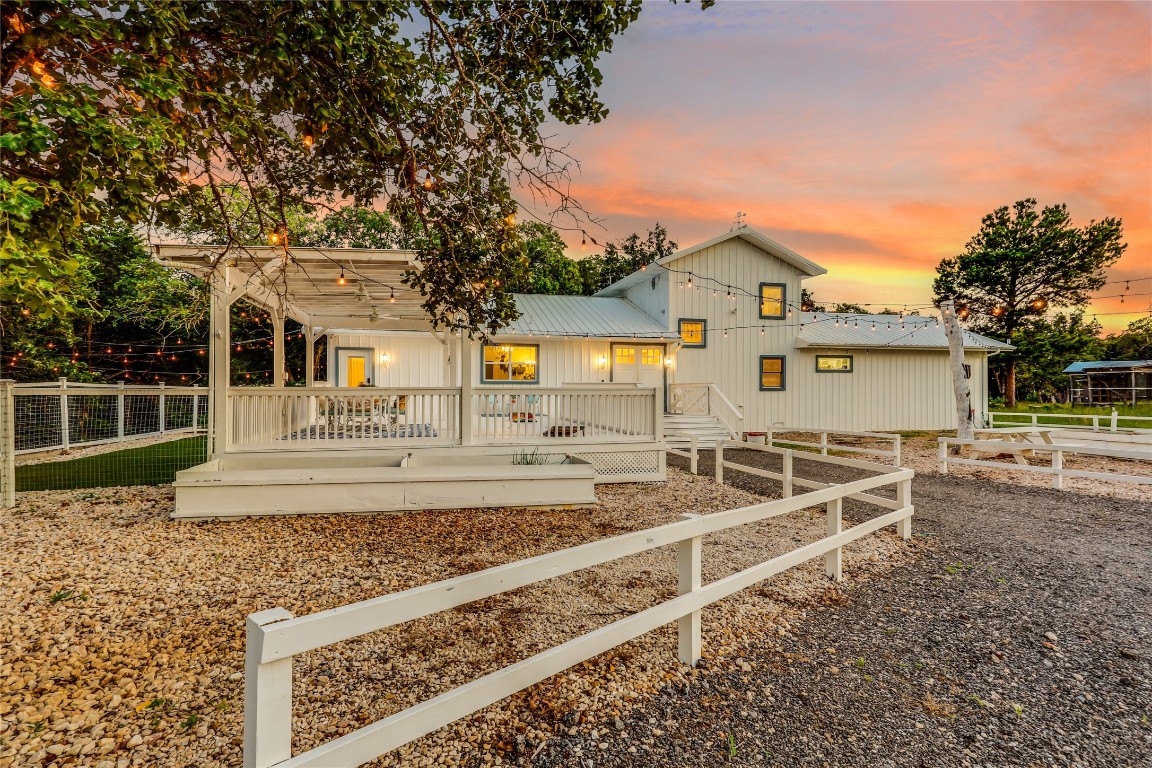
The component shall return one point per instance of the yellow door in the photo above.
(355, 371)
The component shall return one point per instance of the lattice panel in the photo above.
(624, 462)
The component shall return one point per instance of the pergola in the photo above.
(320, 288)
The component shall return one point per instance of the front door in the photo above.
(641, 364)
(354, 366)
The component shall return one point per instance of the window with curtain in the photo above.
(511, 363)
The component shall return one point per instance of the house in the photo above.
(710, 340)
(1105, 382)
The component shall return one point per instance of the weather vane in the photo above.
(740, 223)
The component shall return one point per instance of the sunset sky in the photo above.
(872, 138)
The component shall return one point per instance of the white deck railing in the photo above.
(315, 418)
(705, 399)
(275, 636)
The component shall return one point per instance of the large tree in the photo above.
(1045, 346)
(622, 258)
(1023, 261)
(130, 109)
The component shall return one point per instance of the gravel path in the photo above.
(1023, 637)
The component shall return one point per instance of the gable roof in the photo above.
(841, 329)
(1107, 365)
(582, 317)
(751, 236)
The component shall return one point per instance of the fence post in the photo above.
(904, 498)
(695, 445)
(787, 472)
(120, 412)
(719, 462)
(1114, 416)
(834, 560)
(824, 443)
(896, 448)
(65, 437)
(688, 627)
(195, 412)
(1057, 470)
(163, 421)
(7, 444)
(942, 456)
(267, 696)
(768, 436)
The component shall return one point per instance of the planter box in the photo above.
(238, 486)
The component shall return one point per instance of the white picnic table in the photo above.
(1014, 438)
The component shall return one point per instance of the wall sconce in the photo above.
(602, 361)
(385, 358)
(667, 361)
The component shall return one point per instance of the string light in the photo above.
(307, 141)
(341, 280)
(392, 296)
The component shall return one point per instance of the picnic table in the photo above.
(1015, 439)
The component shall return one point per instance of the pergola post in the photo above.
(465, 390)
(277, 348)
(309, 356)
(219, 361)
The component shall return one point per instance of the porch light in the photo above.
(602, 361)
(668, 361)
(385, 358)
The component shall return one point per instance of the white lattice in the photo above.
(617, 463)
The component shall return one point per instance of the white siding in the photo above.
(414, 359)
(651, 297)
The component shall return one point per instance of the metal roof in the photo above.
(763, 242)
(1107, 365)
(582, 317)
(840, 329)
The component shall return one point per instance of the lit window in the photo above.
(692, 331)
(834, 363)
(650, 356)
(504, 362)
(771, 372)
(625, 356)
(772, 298)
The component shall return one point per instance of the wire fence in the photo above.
(66, 435)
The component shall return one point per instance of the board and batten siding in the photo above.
(732, 363)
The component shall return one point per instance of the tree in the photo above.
(546, 269)
(855, 309)
(622, 258)
(1044, 348)
(1022, 262)
(808, 302)
(128, 109)
(1134, 343)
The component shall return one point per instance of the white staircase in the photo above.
(680, 427)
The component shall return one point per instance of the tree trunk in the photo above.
(1010, 385)
(955, 334)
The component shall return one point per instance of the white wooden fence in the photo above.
(828, 441)
(1096, 422)
(705, 399)
(275, 636)
(1056, 452)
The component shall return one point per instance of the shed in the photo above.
(1104, 382)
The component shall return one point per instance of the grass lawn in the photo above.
(151, 465)
(1143, 410)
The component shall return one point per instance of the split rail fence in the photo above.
(1096, 422)
(828, 441)
(275, 636)
(1020, 452)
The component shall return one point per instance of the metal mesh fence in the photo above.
(84, 436)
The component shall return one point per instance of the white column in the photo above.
(466, 351)
(277, 348)
(219, 364)
(309, 356)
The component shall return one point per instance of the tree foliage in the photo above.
(546, 267)
(1045, 346)
(624, 257)
(1133, 343)
(130, 109)
(1023, 261)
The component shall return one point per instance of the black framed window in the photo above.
(772, 371)
(694, 331)
(773, 298)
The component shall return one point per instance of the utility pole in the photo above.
(955, 334)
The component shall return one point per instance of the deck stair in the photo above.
(680, 427)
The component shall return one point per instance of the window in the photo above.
(772, 298)
(507, 363)
(625, 355)
(651, 356)
(771, 372)
(834, 363)
(693, 330)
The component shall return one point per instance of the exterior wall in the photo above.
(732, 363)
(414, 359)
(651, 296)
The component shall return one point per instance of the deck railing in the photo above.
(275, 636)
(322, 418)
(705, 399)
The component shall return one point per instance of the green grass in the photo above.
(1104, 412)
(151, 465)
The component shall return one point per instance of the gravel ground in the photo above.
(121, 632)
(1023, 637)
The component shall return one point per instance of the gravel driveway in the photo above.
(1023, 637)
